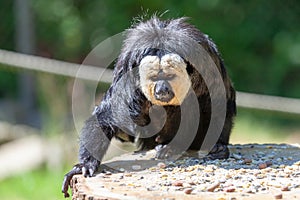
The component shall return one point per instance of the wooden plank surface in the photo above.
(265, 171)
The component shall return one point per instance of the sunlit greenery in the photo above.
(38, 184)
(253, 126)
(259, 40)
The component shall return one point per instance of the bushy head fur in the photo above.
(170, 37)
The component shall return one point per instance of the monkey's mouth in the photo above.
(163, 91)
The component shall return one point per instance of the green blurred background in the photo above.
(259, 41)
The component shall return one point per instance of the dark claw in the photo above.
(87, 171)
(219, 151)
(163, 151)
(90, 167)
(77, 169)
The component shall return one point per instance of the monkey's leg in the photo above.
(94, 141)
(220, 149)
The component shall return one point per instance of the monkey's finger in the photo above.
(91, 171)
(65, 186)
(85, 172)
(67, 179)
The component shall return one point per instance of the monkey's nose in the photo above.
(163, 91)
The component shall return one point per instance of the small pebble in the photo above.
(188, 190)
(177, 183)
(186, 185)
(122, 170)
(229, 189)
(284, 188)
(136, 167)
(269, 163)
(128, 174)
(262, 165)
(236, 156)
(250, 191)
(192, 183)
(213, 187)
(297, 163)
(108, 173)
(161, 165)
(278, 196)
(247, 161)
(151, 188)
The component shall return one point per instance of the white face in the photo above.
(170, 72)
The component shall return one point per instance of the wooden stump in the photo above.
(266, 171)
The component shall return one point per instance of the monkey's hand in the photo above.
(94, 141)
(166, 151)
(87, 169)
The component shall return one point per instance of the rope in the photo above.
(267, 102)
(37, 63)
(30, 62)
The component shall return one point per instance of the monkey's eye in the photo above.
(170, 76)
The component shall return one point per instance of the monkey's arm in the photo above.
(94, 141)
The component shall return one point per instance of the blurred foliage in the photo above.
(257, 126)
(39, 184)
(9, 80)
(259, 40)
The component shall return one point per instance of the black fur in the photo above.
(125, 109)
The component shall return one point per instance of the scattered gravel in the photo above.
(263, 171)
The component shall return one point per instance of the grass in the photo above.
(250, 127)
(38, 184)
